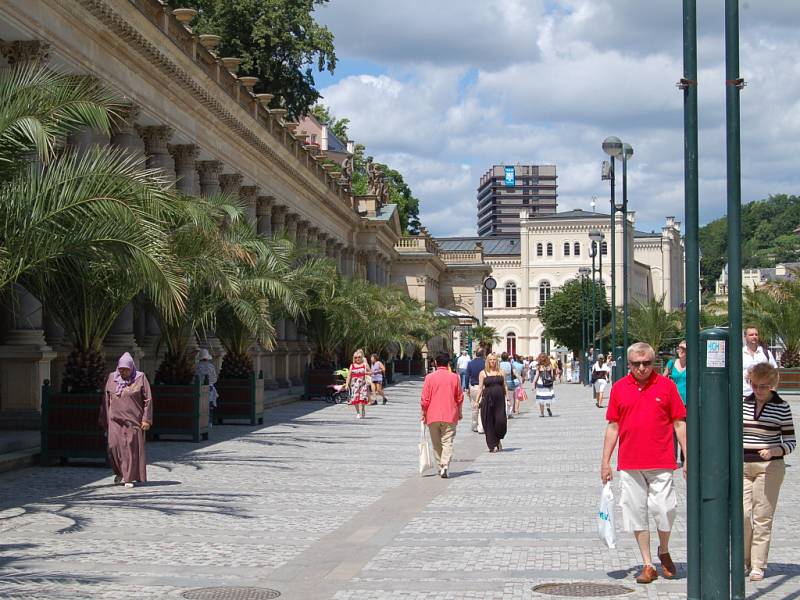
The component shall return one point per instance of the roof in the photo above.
(385, 212)
(491, 245)
(573, 214)
(638, 234)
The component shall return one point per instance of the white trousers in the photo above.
(646, 492)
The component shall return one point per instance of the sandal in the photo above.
(756, 575)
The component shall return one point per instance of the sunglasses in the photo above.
(640, 363)
(761, 386)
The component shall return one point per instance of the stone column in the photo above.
(372, 267)
(312, 237)
(278, 219)
(20, 51)
(209, 171)
(124, 135)
(185, 158)
(339, 258)
(84, 139)
(264, 214)
(156, 138)
(248, 195)
(230, 183)
(290, 226)
(302, 234)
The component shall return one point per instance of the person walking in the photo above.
(768, 437)
(752, 354)
(461, 366)
(205, 369)
(600, 375)
(675, 369)
(643, 412)
(560, 365)
(511, 382)
(519, 393)
(378, 372)
(543, 382)
(492, 394)
(125, 415)
(474, 368)
(356, 383)
(441, 402)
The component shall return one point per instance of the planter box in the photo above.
(70, 427)
(317, 382)
(180, 410)
(241, 399)
(790, 379)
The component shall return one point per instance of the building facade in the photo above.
(504, 191)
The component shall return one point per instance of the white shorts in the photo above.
(647, 491)
(600, 386)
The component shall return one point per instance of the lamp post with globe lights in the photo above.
(584, 274)
(597, 238)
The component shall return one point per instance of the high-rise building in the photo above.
(505, 190)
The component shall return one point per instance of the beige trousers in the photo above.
(473, 398)
(442, 436)
(762, 484)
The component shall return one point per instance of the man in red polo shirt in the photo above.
(643, 411)
(441, 402)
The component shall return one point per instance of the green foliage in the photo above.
(649, 322)
(337, 126)
(775, 309)
(485, 336)
(767, 237)
(564, 313)
(278, 41)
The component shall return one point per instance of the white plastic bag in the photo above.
(425, 461)
(605, 517)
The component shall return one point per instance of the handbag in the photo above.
(425, 460)
(520, 394)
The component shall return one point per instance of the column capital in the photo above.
(184, 154)
(302, 227)
(209, 168)
(264, 205)
(126, 118)
(20, 51)
(155, 137)
(248, 194)
(230, 183)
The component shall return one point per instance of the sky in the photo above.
(441, 90)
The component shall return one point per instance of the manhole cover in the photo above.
(231, 593)
(582, 590)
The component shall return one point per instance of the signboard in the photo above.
(715, 354)
(511, 178)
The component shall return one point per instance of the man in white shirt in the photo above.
(752, 354)
(461, 365)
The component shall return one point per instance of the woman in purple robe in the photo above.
(127, 412)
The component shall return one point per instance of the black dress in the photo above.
(493, 410)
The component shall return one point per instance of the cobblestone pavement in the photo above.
(319, 505)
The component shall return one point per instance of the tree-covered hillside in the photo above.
(767, 237)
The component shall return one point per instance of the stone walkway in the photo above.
(319, 505)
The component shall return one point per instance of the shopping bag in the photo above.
(480, 424)
(520, 394)
(605, 517)
(425, 461)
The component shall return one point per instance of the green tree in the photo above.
(278, 41)
(337, 126)
(563, 315)
(485, 336)
(649, 322)
(775, 309)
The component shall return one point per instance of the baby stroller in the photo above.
(337, 393)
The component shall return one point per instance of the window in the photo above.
(549, 249)
(566, 248)
(544, 292)
(603, 247)
(577, 249)
(488, 299)
(539, 249)
(511, 344)
(511, 295)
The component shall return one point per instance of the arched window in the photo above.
(577, 249)
(539, 249)
(488, 299)
(549, 249)
(511, 344)
(544, 292)
(566, 248)
(511, 295)
(603, 247)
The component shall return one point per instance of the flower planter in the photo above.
(70, 427)
(241, 399)
(317, 382)
(790, 379)
(180, 410)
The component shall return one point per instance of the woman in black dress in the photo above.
(492, 401)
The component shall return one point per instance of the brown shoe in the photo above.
(668, 569)
(647, 575)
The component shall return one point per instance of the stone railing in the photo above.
(416, 244)
(462, 257)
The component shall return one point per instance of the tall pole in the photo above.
(584, 331)
(594, 302)
(689, 85)
(732, 88)
(602, 297)
(613, 263)
(625, 278)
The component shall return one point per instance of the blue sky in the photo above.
(442, 90)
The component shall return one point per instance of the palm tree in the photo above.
(649, 322)
(775, 309)
(486, 336)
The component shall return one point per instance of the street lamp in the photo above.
(615, 148)
(584, 272)
(597, 238)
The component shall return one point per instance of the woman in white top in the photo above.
(601, 373)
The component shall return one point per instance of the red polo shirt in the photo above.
(645, 415)
(441, 396)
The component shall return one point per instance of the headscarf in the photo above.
(126, 362)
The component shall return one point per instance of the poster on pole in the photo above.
(715, 354)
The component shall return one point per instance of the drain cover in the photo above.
(582, 590)
(231, 593)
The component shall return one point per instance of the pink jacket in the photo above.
(441, 397)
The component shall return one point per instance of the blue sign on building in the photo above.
(510, 177)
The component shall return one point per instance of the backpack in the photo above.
(547, 377)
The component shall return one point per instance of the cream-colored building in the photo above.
(550, 251)
(751, 278)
